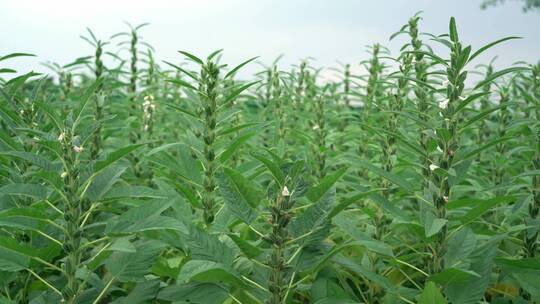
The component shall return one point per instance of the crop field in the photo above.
(128, 179)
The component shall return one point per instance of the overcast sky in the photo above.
(329, 31)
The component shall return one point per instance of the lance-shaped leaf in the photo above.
(115, 156)
(431, 295)
(195, 293)
(208, 272)
(233, 147)
(30, 190)
(14, 256)
(132, 266)
(241, 195)
(326, 184)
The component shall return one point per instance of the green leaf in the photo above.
(207, 272)
(84, 99)
(376, 278)
(189, 74)
(207, 247)
(128, 191)
(489, 45)
(452, 275)
(103, 182)
(30, 190)
(525, 265)
(137, 214)
(247, 249)
(274, 168)
(472, 290)
(240, 195)
(317, 192)
(401, 182)
(144, 292)
(314, 218)
(13, 55)
(192, 57)
(25, 218)
(182, 83)
(122, 244)
(236, 91)
(14, 256)
(483, 206)
(131, 267)
(348, 223)
(498, 74)
(479, 116)
(152, 223)
(34, 159)
(238, 67)
(453, 30)
(351, 200)
(433, 226)
(114, 156)
(460, 246)
(468, 100)
(431, 295)
(194, 293)
(233, 147)
(237, 128)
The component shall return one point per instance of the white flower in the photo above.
(445, 198)
(149, 98)
(432, 167)
(77, 149)
(444, 104)
(61, 136)
(63, 175)
(285, 191)
(315, 127)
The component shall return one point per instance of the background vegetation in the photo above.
(177, 182)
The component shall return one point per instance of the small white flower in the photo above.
(149, 98)
(77, 149)
(432, 167)
(285, 191)
(63, 175)
(444, 104)
(445, 198)
(61, 136)
(315, 127)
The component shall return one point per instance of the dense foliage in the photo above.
(125, 182)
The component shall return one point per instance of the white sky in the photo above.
(326, 30)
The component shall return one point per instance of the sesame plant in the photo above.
(409, 176)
